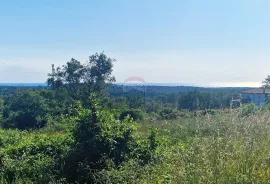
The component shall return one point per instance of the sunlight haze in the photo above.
(205, 43)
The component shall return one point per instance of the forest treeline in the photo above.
(21, 107)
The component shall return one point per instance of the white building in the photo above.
(257, 96)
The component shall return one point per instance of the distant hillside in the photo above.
(131, 89)
(123, 90)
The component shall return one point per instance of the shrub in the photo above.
(106, 142)
(22, 120)
(248, 109)
(185, 113)
(31, 157)
(168, 113)
(154, 116)
(24, 110)
(135, 114)
(208, 112)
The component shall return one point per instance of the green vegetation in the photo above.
(82, 129)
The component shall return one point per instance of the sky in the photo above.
(192, 42)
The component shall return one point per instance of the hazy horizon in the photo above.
(25, 84)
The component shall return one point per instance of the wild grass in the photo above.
(227, 147)
(223, 148)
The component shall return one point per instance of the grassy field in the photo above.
(223, 148)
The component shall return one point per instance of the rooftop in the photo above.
(257, 91)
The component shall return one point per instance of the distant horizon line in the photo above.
(163, 84)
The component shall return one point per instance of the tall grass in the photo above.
(223, 148)
(228, 147)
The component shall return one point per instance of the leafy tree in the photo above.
(97, 144)
(80, 80)
(83, 80)
(266, 82)
(168, 113)
(58, 102)
(25, 109)
(1, 109)
(205, 100)
(136, 101)
(135, 114)
(248, 109)
(189, 100)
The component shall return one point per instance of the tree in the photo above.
(83, 82)
(168, 113)
(1, 109)
(80, 80)
(135, 114)
(266, 82)
(25, 109)
(96, 145)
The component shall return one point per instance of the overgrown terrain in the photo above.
(223, 148)
(78, 131)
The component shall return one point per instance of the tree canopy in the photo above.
(82, 79)
(266, 82)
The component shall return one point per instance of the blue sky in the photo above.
(208, 43)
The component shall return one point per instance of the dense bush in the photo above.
(32, 157)
(168, 113)
(248, 109)
(135, 114)
(101, 141)
(23, 110)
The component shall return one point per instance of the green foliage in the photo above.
(196, 100)
(31, 157)
(249, 109)
(169, 113)
(96, 144)
(266, 82)
(58, 102)
(223, 148)
(25, 109)
(1, 109)
(135, 114)
(79, 80)
(266, 107)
